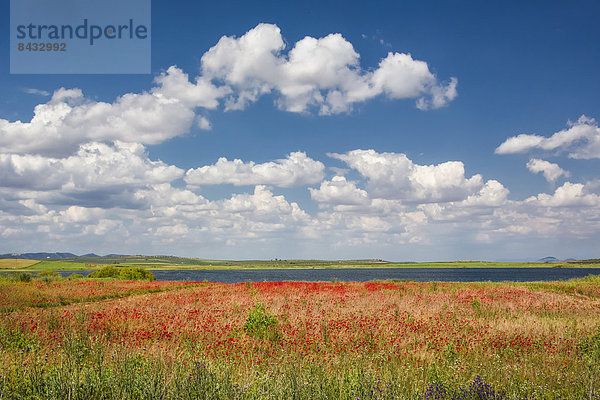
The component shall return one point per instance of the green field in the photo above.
(55, 265)
(171, 262)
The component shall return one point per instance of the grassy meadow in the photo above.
(6, 263)
(105, 339)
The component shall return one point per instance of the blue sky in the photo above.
(387, 131)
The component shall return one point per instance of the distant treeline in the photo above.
(590, 261)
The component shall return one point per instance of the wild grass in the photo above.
(43, 292)
(10, 263)
(402, 340)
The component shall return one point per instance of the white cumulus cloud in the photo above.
(324, 73)
(492, 194)
(394, 175)
(295, 170)
(95, 166)
(581, 140)
(264, 206)
(69, 120)
(339, 191)
(551, 171)
(568, 195)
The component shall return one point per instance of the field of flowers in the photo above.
(402, 340)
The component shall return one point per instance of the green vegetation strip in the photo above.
(171, 262)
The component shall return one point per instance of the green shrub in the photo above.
(261, 324)
(136, 274)
(106, 272)
(24, 277)
(74, 277)
(48, 276)
(17, 276)
(123, 273)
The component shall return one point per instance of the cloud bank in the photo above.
(117, 195)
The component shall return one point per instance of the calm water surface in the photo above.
(363, 275)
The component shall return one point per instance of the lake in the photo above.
(363, 275)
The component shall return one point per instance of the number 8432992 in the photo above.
(42, 46)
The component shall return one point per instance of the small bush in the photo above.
(136, 274)
(106, 272)
(74, 277)
(17, 276)
(48, 276)
(123, 273)
(24, 277)
(261, 324)
(476, 304)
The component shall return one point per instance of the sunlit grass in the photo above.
(53, 265)
(10, 263)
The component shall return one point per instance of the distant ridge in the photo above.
(554, 259)
(58, 255)
(36, 256)
(548, 259)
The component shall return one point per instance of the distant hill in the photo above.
(37, 256)
(554, 259)
(43, 255)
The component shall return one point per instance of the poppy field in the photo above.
(334, 340)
